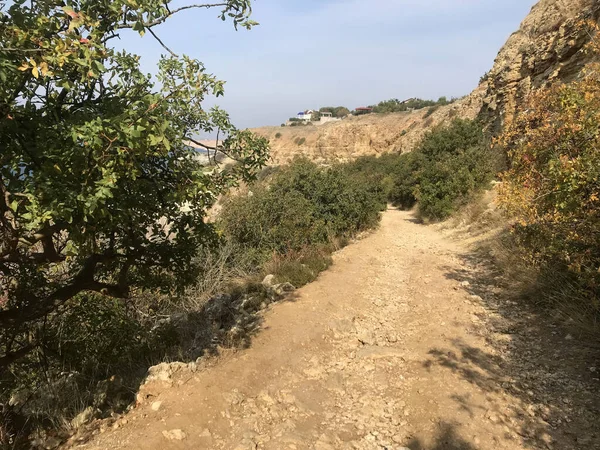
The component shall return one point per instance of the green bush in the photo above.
(278, 135)
(450, 164)
(300, 205)
(456, 163)
(395, 105)
(377, 174)
(402, 193)
(430, 111)
(300, 268)
(339, 111)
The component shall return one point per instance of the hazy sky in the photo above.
(313, 53)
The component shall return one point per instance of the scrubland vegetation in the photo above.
(450, 166)
(552, 193)
(108, 263)
(395, 105)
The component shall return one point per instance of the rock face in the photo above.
(548, 47)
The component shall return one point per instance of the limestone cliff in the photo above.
(548, 47)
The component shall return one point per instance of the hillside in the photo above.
(548, 47)
(364, 135)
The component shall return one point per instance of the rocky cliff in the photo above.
(548, 47)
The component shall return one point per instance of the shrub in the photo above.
(430, 111)
(300, 267)
(402, 194)
(278, 135)
(552, 189)
(339, 112)
(300, 205)
(395, 105)
(376, 173)
(449, 165)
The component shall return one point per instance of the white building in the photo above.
(306, 115)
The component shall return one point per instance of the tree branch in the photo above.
(83, 281)
(200, 144)
(9, 358)
(175, 11)
(162, 43)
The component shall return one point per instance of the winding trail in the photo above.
(388, 349)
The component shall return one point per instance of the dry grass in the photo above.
(301, 267)
(220, 270)
(553, 290)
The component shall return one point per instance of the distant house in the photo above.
(326, 115)
(306, 115)
(363, 110)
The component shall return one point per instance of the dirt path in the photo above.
(388, 349)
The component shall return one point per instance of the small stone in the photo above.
(206, 433)
(568, 337)
(283, 289)
(83, 417)
(398, 440)
(269, 281)
(367, 337)
(51, 443)
(156, 406)
(465, 284)
(174, 435)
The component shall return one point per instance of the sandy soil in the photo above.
(407, 342)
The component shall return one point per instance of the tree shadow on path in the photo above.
(446, 439)
(549, 378)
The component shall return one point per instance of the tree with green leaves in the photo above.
(99, 190)
(339, 111)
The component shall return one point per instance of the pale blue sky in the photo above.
(313, 53)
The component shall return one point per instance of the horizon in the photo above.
(313, 54)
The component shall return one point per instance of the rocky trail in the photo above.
(408, 341)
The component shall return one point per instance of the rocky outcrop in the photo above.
(548, 47)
